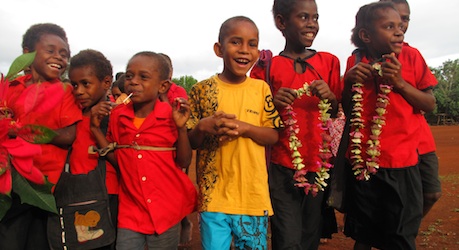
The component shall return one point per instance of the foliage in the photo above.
(447, 90)
(185, 81)
(18, 143)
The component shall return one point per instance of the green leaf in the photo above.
(33, 194)
(20, 63)
(5, 204)
(37, 134)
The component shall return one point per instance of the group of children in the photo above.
(230, 119)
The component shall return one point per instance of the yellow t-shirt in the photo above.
(232, 177)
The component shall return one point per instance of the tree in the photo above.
(185, 81)
(447, 90)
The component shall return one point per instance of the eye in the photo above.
(128, 76)
(253, 44)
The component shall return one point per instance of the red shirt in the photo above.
(399, 138)
(81, 162)
(63, 114)
(176, 91)
(154, 193)
(282, 74)
(426, 139)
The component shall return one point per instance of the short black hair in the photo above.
(163, 65)
(36, 31)
(89, 57)
(227, 25)
(365, 18)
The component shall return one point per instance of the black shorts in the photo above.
(428, 166)
(386, 211)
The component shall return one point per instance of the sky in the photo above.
(186, 30)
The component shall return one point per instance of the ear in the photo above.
(107, 82)
(25, 50)
(364, 35)
(218, 50)
(164, 86)
(279, 21)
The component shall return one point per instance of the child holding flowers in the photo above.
(304, 84)
(40, 98)
(384, 206)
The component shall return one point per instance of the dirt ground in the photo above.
(439, 229)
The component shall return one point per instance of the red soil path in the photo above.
(439, 229)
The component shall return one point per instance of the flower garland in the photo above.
(324, 147)
(362, 169)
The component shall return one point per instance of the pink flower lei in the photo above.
(363, 168)
(324, 146)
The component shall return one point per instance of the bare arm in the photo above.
(180, 114)
(97, 114)
(65, 136)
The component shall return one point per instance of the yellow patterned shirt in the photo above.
(232, 177)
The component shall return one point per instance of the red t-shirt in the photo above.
(154, 193)
(399, 138)
(282, 74)
(63, 114)
(426, 139)
(81, 162)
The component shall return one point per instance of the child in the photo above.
(298, 216)
(91, 77)
(118, 89)
(232, 119)
(384, 206)
(428, 160)
(24, 226)
(151, 148)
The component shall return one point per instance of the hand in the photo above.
(392, 71)
(359, 73)
(100, 110)
(321, 89)
(284, 97)
(180, 112)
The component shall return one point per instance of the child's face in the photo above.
(143, 80)
(239, 50)
(116, 92)
(387, 34)
(87, 88)
(404, 12)
(52, 54)
(302, 26)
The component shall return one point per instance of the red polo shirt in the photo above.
(154, 194)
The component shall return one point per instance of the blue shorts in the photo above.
(218, 229)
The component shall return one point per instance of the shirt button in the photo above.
(144, 178)
(148, 200)
(139, 156)
(137, 135)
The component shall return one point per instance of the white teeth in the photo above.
(55, 65)
(242, 60)
(309, 34)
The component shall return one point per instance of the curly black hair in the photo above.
(89, 57)
(34, 33)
